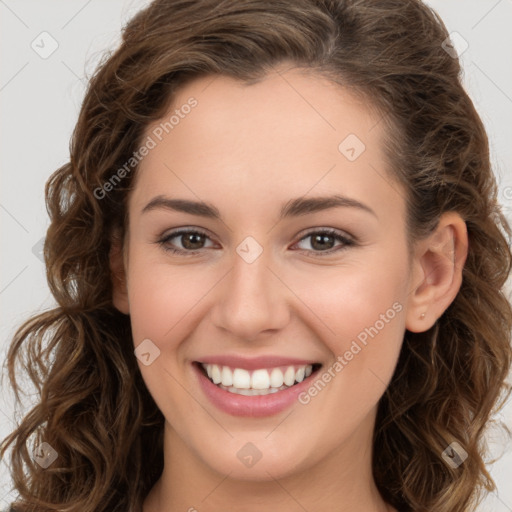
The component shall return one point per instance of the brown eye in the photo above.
(191, 241)
(323, 241)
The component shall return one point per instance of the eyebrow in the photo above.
(293, 208)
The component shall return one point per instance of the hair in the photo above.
(93, 407)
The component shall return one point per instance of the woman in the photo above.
(278, 261)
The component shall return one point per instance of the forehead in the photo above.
(289, 134)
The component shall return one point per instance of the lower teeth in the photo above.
(252, 392)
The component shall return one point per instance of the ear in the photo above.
(118, 275)
(437, 272)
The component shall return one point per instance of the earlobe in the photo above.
(118, 276)
(437, 272)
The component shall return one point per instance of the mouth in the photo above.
(258, 382)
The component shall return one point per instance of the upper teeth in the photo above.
(258, 379)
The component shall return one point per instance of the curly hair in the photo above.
(93, 407)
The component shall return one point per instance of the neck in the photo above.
(342, 481)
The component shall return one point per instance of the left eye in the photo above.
(192, 241)
(324, 240)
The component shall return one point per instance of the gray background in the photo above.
(40, 99)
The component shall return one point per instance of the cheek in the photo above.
(346, 300)
(161, 296)
(364, 313)
(359, 311)
(162, 299)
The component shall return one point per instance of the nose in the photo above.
(252, 300)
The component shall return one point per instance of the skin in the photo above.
(248, 150)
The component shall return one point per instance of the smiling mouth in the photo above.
(262, 381)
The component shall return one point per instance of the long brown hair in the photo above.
(94, 409)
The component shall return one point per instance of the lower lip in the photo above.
(251, 406)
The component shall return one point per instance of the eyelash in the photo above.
(347, 242)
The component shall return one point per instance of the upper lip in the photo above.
(254, 363)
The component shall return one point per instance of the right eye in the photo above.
(191, 241)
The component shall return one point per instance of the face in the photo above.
(267, 270)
